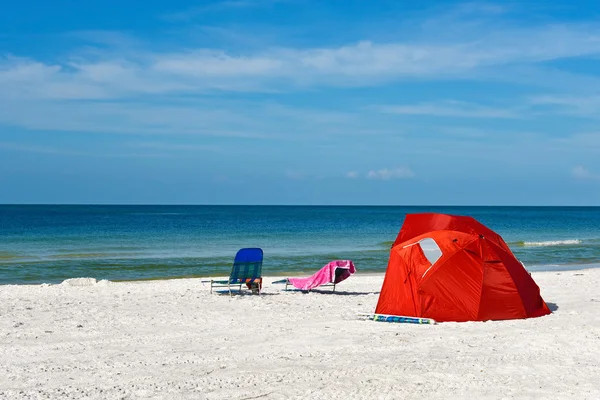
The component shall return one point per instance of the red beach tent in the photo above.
(476, 278)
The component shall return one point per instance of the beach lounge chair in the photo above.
(330, 275)
(246, 270)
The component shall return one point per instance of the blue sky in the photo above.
(300, 102)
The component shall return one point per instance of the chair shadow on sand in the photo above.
(552, 306)
(244, 294)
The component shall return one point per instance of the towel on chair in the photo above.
(334, 272)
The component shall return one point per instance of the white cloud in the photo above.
(580, 172)
(213, 116)
(118, 72)
(387, 174)
(117, 85)
(183, 147)
(295, 175)
(352, 174)
(587, 143)
(210, 63)
(194, 118)
(582, 106)
(37, 149)
(50, 150)
(450, 109)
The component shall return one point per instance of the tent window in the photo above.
(431, 250)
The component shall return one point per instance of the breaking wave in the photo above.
(568, 242)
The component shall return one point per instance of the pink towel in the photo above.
(327, 274)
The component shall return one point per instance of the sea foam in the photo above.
(552, 243)
(84, 282)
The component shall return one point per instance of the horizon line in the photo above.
(283, 205)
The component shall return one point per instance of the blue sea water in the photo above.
(50, 243)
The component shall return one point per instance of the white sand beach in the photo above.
(174, 340)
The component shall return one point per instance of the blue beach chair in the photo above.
(246, 270)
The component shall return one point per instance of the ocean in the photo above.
(51, 243)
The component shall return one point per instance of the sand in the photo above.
(174, 340)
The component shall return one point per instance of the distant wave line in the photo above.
(549, 243)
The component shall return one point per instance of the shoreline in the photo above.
(532, 269)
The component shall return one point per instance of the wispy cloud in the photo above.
(580, 172)
(212, 116)
(394, 173)
(582, 106)
(450, 109)
(37, 149)
(61, 151)
(295, 175)
(175, 147)
(355, 64)
(108, 39)
(352, 175)
(145, 88)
